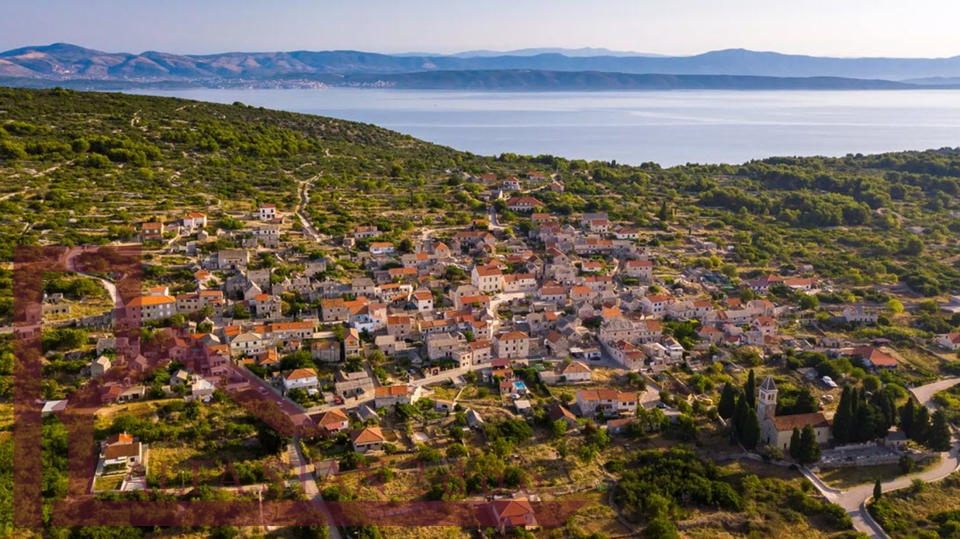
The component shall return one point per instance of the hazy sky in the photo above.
(925, 28)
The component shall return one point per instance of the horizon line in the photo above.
(619, 53)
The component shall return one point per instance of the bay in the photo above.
(669, 128)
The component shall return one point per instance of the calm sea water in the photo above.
(665, 127)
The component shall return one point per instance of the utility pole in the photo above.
(260, 503)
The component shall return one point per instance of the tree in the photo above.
(894, 306)
(795, 444)
(750, 390)
(907, 416)
(455, 451)
(352, 460)
(938, 438)
(871, 383)
(664, 213)
(809, 448)
(271, 440)
(877, 491)
(921, 425)
(662, 528)
(426, 453)
(225, 532)
(746, 425)
(869, 424)
(728, 401)
(843, 419)
(559, 428)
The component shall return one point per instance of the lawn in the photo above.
(846, 478)
(108, 482)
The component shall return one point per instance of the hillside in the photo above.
(65, 62)
(92, 168)
(85, 168)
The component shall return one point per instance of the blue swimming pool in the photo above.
(520, 385)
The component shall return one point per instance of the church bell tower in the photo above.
(767, 401)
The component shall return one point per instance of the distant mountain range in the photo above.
(532, 68)
(585, 52)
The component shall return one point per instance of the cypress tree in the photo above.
(728, 402)
(809, 448)
(746, 425)
(938, 438)
(739, 417)
(921, 425)
(664, 213)
(750, 390)
(884, 402)
(855, 402)
(795, 444)
(907, 415)
(877, 491)
(750, 431)
(843, 420)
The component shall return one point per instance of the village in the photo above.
(379, 345)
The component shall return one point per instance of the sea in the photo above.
(665, 127)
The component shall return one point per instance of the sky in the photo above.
(899, 28)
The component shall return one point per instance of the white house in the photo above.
(153, 307)
(606, 400)
(300, 379)
(656, 304)
(381, 248)
(523, 204)
(423, 300)
(267, 212)
(194, 220)
(567, 372)
(513, 344)
(487, 278)
(950, 341)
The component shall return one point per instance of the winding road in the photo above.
(304, 190)
(854, 500)
(72, 266)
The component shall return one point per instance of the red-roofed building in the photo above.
(512, 345)
(524, 204)
(509, 514)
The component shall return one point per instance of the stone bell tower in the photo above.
(767, 401)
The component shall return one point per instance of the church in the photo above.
(777, 430)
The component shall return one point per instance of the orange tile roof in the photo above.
(148, 301)
(391, 391)
(298, 374)
(367, 435)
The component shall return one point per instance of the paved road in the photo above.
(924, 394)
(854, 500)
(71, 264)
(494, 224)
(309, 484)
